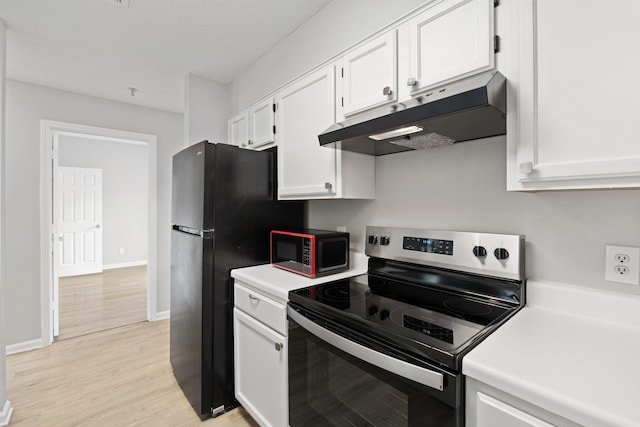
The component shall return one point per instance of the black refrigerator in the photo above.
(224, 203)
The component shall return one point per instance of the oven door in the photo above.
(339, 377)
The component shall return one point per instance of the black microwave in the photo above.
(312, 253)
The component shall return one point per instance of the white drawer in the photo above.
(261, 308)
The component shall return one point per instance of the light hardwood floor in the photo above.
(118, 377)
(96, 302)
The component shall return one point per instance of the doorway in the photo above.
(127, 229)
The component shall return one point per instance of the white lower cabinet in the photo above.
(486, 406)
(495, 413)
(260, 361)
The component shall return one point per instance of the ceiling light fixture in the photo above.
(132, 91)
(396, 133)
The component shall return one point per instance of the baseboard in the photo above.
(124, 264)
(5, 414)
(161, 315)
(23, 346)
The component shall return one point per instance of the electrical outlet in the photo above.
(341, 228)
(622, 264)
(621, 269)
(622, 258)
(121, 251)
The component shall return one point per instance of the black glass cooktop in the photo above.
(438, 309)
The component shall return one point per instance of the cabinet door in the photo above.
(450, 40)
(303, 110)
(260, 370)
(261, 120)
(239, 129)
(572, 117)
(369, 74)
(495, 413)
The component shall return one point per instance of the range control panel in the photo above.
(499, 255)
(425, 244)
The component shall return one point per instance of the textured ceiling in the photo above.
(100, 48)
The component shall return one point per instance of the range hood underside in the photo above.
(468, 109)
(474, 123)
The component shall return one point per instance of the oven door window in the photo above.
(328, 387)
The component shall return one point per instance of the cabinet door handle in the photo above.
(411, 81)
(525, 168)
(279, 346)
(250, 143)
(387, 91)
(252, 298)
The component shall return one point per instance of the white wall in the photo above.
(206, 106)
(124, 192)
(5, 407)
(460, 187)
(27, 105)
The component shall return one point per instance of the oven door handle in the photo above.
(399, 367)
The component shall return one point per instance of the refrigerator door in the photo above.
(191, 290)
(246, 193)
(192, 187)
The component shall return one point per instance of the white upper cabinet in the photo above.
(304, 109)
(449, 40)
(305, 169)
(369, 74)
(573, 70)
(261, 124)
(239, 129)
(254, 127)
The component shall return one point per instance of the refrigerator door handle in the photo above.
(205, 234)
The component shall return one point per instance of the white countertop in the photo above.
(276, 283)
(572, 351)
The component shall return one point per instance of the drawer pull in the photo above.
(252, 298)
(279, 346)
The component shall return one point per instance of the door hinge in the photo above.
(496, 3)
(274, 129)
(496, 44)
(274, 108)
(342, 72)
(342, 101)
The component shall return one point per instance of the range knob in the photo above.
(384, 314)
(384, 240)
(479, 251)
(373, 310)
(501, 253)
(373, 240)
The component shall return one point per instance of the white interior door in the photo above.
(78, 216)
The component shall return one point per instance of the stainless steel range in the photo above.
(386, 348)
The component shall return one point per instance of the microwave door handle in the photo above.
(407, 370)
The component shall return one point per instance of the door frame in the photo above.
(49, 133)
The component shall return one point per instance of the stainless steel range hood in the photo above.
(468, 109)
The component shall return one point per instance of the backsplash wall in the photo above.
(462, 187)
